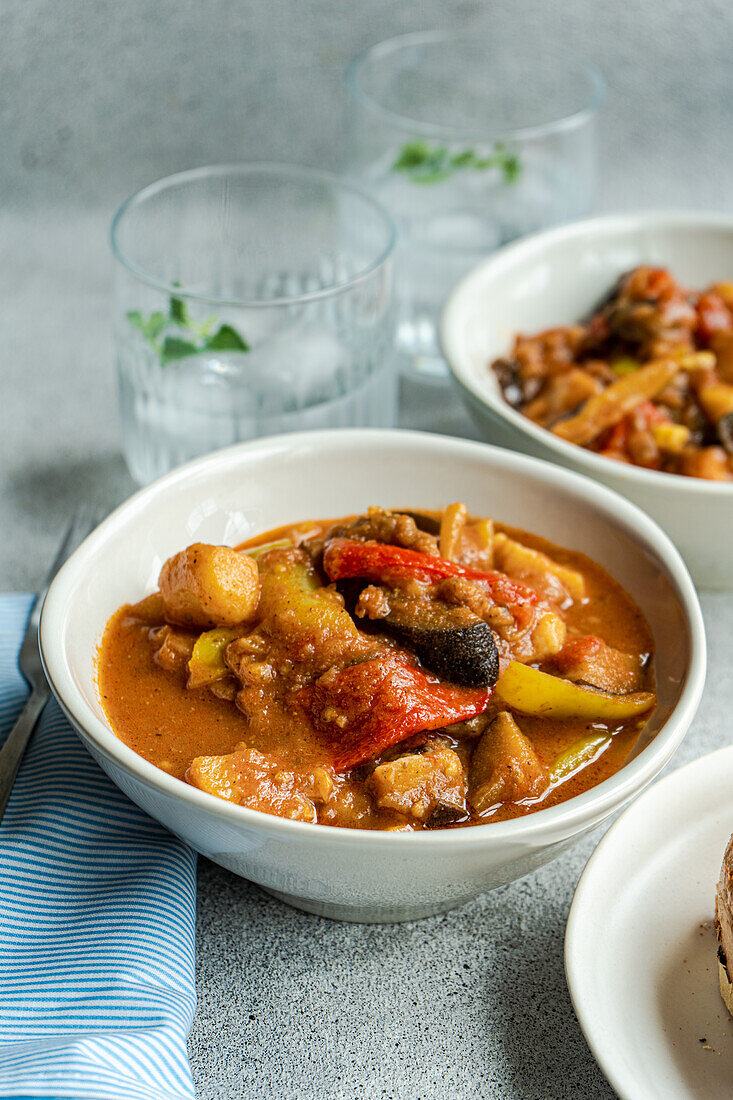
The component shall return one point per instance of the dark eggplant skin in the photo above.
(424, 522)
(725, 432)
(444, 815)
(465, 655)
(450, 641)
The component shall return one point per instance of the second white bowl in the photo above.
(557, 278)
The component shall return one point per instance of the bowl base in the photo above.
(365, 914)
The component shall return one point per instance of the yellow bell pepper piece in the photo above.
(532, 692)
(577, 756)
(606, 408)
(256, 552)
(717, 400)
(671, 437)
(518, 560)
(207, 662)
(625, 365)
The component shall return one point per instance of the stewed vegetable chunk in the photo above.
(505, 766)
(452, 641)
(416, 784)
(206, 586)
(251, 778)
(589, 660)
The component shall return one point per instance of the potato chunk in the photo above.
(548, 636)
(415, 784)
(250, 778)
(206, 586)
(504, 766)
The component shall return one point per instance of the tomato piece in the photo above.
(576, 649)
(713, 315)
(367, 707)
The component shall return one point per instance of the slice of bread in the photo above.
(724, 927)
(724, 983)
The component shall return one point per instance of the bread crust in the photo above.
(724, 926)
(725, 986)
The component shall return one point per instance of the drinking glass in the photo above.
(469, 145)
(250, 299)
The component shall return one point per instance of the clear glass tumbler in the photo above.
(250, 299)
(468, 145)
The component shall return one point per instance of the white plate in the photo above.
(640, 950)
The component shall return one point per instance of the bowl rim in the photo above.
(586, 110)
(500, 265)
(571, 815)
(303, 174)
(620, 1077)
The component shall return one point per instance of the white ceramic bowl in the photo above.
(558, 277)
(234, 493)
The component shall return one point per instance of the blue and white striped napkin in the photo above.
(97, 916)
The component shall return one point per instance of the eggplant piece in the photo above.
(444, 815)
(429, 524)
(725, 432)
(509, 377)
(453, 643)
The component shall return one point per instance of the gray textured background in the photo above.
(99, 98)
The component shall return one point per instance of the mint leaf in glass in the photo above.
(412, 155)
(178, 312)
(424, 163)
(151, 327)
(226, 338)
(175, 335)
(174, 348)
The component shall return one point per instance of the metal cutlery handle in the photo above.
(12, 751)
(30, 665)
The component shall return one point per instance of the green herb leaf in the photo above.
(511, 167)
(465, 159)
(174, 348)
(188, 337)
(226, 338)
(413, 154)
(432, 164)
(150, 328)
(178, 312)
(436, 176)
(155, 326)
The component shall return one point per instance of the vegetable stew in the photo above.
(393, 670)
(648, 380)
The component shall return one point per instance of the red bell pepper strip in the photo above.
(367, 707)
(378, 562)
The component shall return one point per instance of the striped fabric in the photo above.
(97, 906)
